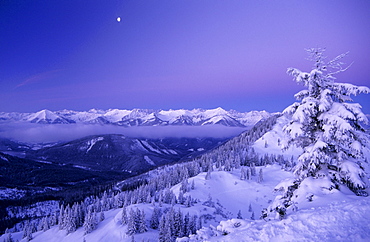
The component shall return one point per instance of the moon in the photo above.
(118, 19)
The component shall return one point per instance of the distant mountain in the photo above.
(123, 154)
(141, 117)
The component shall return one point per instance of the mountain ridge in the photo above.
(140, 117)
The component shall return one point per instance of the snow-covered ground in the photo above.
(331, 216)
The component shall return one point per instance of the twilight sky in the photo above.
(171, 54)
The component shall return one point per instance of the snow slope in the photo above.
(340, 220)
(275, 141)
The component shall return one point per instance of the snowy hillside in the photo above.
(219, 196)
(141, 117)
(217, 201)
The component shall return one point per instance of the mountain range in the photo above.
(140, 117)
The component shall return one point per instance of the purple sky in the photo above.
(72, 54)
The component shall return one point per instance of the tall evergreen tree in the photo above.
(154, 221)
(124, 218)
(186, 229)
(239, 216)
(131, 228)
(178, 223)
(142, 228)
(327, 126)
(61, 217)
(165, 233)
(260, 176)
(90, 222)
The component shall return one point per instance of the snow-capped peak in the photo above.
(142, 117)
(46, 117)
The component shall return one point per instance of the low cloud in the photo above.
(44, 133)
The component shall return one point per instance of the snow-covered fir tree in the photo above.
(260, 176)
(131, 226)
(124, 218)
(90, 222)
(154, 221)
(142, 227)
(326, 124)
(239, 215)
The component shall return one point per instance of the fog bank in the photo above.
(44, 133)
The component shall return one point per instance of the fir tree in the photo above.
(46, 224)
(178, 223)
(239, 216)
(192, 185)
(165, 233)
(327, 126)
(61, 217)
(260, 176)
(154, 221)
(253, 169)
(208, 175)
(249, 174)
(252, 216)
(90, 222)
(131, 228)
(181, 198)
(243, 174)
(162, 229)
(184, 186)
(193, 224)
(124, 218)
(186, 228)
(142, 228)
(53, 219)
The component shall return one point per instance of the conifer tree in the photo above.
(253, 169)
(46, 224)
(186, 228)
(142, 228)
(181, 198)
(193, 224)
(154, 221)
(165, 232)
(124, 218)
(260, 176)
(131, 228)
(61, 217)
(327, 126)
(178, 223)
(90, 222)
(243, 174)
(249, 174)
(192, 185)
(162, 229)
(239, 216)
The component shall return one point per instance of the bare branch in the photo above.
(340, 70)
